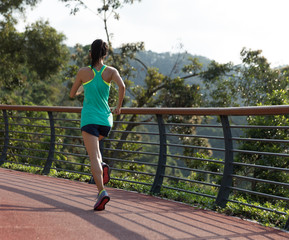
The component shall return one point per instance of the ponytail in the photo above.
(98, 51)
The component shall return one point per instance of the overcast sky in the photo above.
(217, 29)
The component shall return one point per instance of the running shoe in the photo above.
(102, 199)
(106, 172)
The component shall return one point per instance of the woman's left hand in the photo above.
(116, 111)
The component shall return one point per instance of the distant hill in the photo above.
(165, 62)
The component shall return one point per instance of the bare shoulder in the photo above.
(84, 70)
(85, 74)
(111, 70)
(110, 74)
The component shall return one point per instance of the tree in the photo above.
(259, 79)
(46, 54)
(12, 57)
(220, 80)
(247, 84)
(28, 58)
(7, 7)
(262, 85)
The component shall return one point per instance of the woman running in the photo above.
(96, 116)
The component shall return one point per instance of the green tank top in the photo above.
(95, 105)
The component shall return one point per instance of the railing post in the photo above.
(158, 181)
(49, 160)
(6, 138)
(287, 225)
(227, 180)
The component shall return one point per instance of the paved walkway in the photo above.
(41, 207)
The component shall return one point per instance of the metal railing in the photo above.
(191, 150)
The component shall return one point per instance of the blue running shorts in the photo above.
(96, 130)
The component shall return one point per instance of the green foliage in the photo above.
(27, 57)
(270, 219)
(12, 57)
(220, 81)
(43, 49)
(276, 97)
(185, 95)
(27, 148)
(22, 168)
(134, 174)
(146, 95)
(52, 173)
(194, 67)
(69, 175)
(189, 198)
(79, 57)
(8, 6)
(29, 64)
(259, 79)
(201, 163)
(129, 186)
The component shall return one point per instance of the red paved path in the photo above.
(40, 207)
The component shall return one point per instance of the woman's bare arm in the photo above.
(77, 83)
(121, 90)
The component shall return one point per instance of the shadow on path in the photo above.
(41, 207)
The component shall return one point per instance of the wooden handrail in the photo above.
(229, 111)
(41, 108)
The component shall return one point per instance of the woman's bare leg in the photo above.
(91, 143)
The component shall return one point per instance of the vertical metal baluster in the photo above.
(287, 225)
(49, 160)
(158, 181)
(227, 180)
(6, 138)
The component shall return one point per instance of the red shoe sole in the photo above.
(101, 206)
(106, 176)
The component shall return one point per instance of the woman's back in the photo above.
(95, 105)
(88, 74)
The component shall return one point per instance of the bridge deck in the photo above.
(40, 207)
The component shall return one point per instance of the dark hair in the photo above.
(98, 50)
